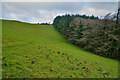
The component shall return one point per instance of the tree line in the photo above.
(100, 37)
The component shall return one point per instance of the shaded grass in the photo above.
(39, 51)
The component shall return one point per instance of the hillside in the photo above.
(94, 35)
(39, 51)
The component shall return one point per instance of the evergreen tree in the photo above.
(79, 30)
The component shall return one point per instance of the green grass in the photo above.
(39, 51)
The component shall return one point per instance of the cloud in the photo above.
(99, 9)
(92, 11)
(35, 12)
(46, 16)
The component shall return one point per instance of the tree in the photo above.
(79, 30)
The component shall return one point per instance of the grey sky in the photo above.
(59, 0)
(34, 12)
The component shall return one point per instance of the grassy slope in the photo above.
(32, 50)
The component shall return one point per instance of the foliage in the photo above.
(62, 22)
(79, 31)
(91, 34)
(45, 23)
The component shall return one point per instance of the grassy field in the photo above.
(39, 51)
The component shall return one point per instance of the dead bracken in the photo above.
(58, 52)
(83, 67)
(71, 68)
(50, 70)
(3, 58)
(100, 69)
(32, 62)
(77, 68)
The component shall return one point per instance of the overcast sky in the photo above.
(34, 12)
(59, 0)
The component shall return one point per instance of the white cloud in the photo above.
(46, 12)
(45, 16)
(95, 12)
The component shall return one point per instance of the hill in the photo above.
(94, 35)
(39, 51)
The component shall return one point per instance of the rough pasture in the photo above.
(39, 51)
